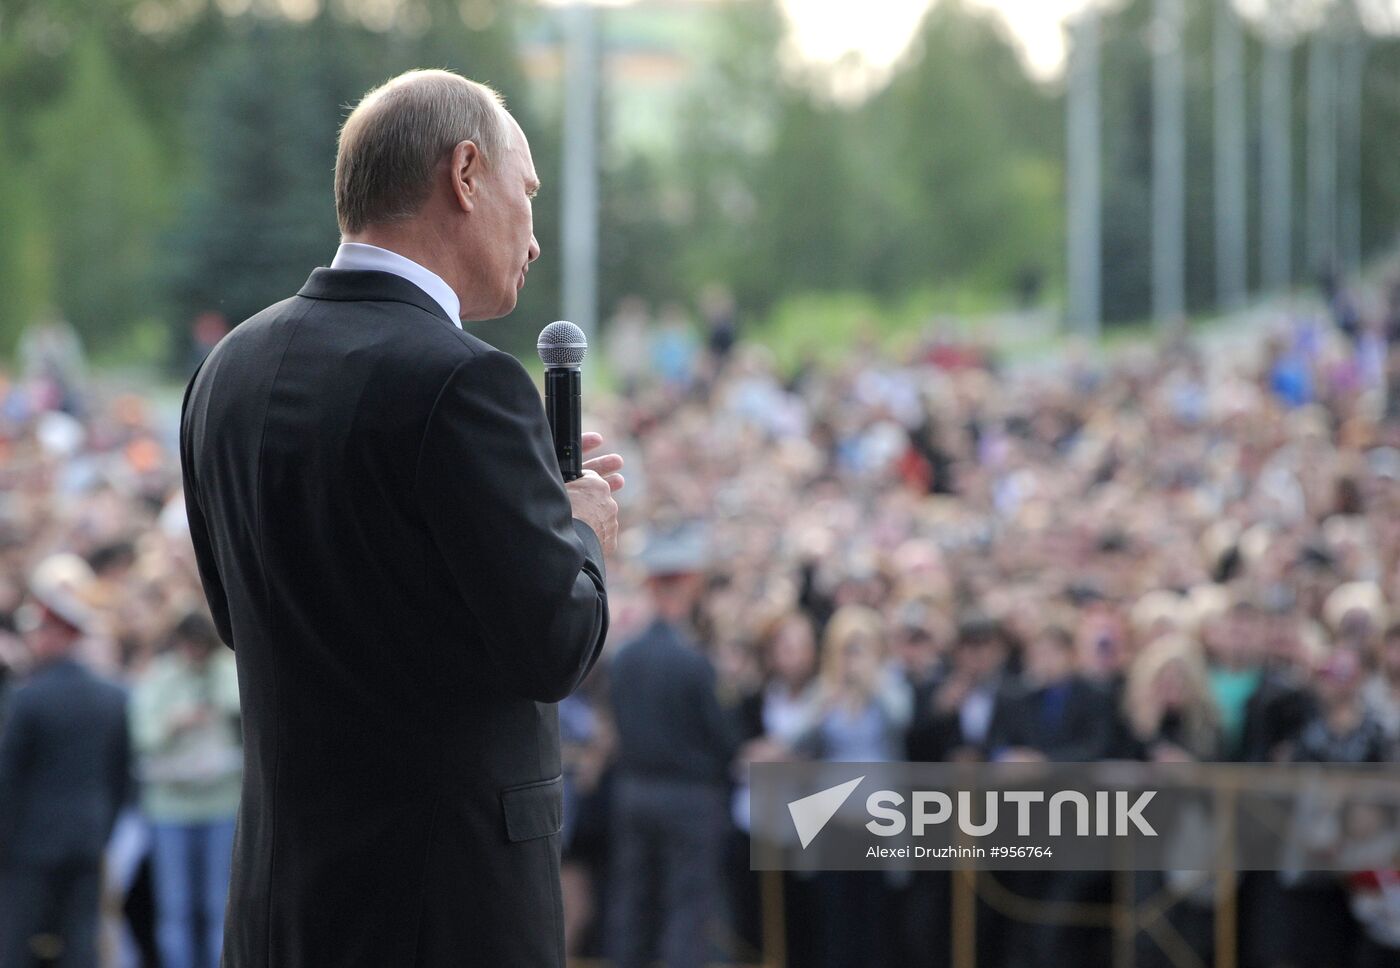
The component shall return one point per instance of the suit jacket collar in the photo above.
(352, 285)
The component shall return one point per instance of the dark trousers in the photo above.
(667, 844)
(856, 919)
(60, 901)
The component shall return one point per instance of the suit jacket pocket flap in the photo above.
(534, 809)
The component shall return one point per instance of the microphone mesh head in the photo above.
(562, 344)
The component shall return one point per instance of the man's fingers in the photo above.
(615, 481)
(605, 465)
(591, 441)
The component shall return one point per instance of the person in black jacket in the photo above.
(953, 711)
(385, 540)
(675, 744)
(1314, 920)
(65, 769)
(1057, 714)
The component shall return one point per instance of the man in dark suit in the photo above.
(1056, 714)
(953, 711)
(409, 587)
(65, 765)
(674, 747)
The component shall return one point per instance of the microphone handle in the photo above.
(563, 405)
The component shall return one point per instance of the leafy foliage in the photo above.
(164, 159)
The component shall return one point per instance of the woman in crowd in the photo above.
(860, 712)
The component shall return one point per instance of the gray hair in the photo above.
(393, 140)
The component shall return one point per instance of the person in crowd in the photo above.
(1283, 701)
(52, 359)
(185, 730)
(769, 720)
(1055, 714)
(1172, 718)
(675, 745)
(1234, 668)
(921, 645)
(776, 714)
(862, 710)
(1372, 897)
(586, 747)
(65, 771)
(1316, 918)
(1342, 730)
(954, 717)
(863, 703)
(1381, 692)
(1168, 704)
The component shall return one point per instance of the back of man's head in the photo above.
(393, 141)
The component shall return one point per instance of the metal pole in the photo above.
(964, 918)
(1226, 882)
(1352, 75)
(1082, 177)
(579, 183)
(1231, 258)
(774, 923)
(1168, 166)
(1276, 166)
(1322, 153)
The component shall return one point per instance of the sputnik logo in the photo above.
(811, 813)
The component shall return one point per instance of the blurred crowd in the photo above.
(1182, 551)
(120, 754)
(1185, 552)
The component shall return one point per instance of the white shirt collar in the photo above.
(363, 256)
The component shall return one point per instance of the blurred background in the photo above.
(997, 379)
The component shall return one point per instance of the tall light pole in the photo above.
(1351, 76)
(1082, 177)
(1276, 162)
(579, 181)
(1231, 255)
(1322, 151)
(1168, 166)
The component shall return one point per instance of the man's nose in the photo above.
(534, 248)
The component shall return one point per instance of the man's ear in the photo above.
(467, 170)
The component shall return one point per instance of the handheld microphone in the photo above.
(562, 347)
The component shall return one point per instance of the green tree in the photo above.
(99, 175)
(259, 212)
(951, 173)
(25, 276)
(961, 158)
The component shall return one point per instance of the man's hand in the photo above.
(591, 495)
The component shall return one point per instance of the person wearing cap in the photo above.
(674, 749)
(65, 764)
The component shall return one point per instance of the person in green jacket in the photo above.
(185, 728)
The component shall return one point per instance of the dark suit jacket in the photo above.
(1274, 717)
(1075, 724)
(65, 767)
(934, 736)
(385, 540)
(670, 725)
